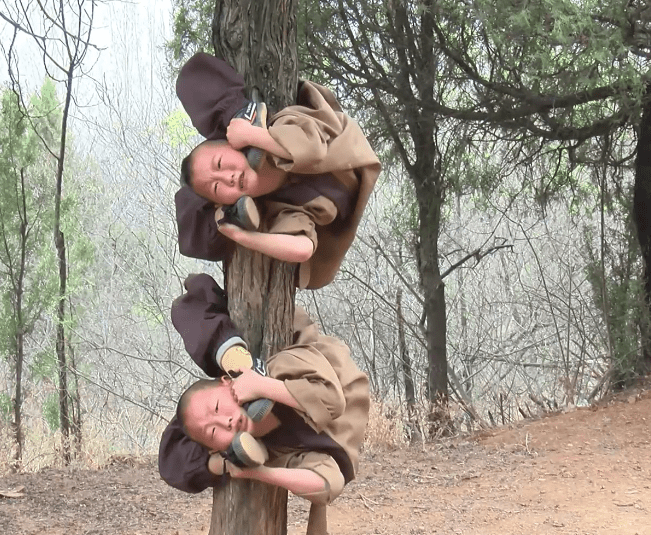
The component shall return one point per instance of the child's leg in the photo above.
(201, 317)
(212, 340)
(211, 93)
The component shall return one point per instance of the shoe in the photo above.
(244, 213)
(236, 357)
(245, 450)
(256, 113)
(258, 409)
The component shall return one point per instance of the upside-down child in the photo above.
(309, 443)
(313, 172)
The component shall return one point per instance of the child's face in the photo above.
(213, 417)
(222, 174)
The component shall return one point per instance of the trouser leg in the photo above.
(317, 523)
(211, 93)
(201, 317)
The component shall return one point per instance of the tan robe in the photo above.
(324, 140)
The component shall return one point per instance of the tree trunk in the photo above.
(642, 218)
(430, 199)
(410, 392)
(258, 38)
(64, 413)
(60, 245)
(20, 328)
(18, 399)
(75, 398)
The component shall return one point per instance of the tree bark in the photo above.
(642, 219)
(429, 203)
(410, 392)
(258, 38)
(20, 326)
(60, 245)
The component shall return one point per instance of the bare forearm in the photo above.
(285, 247)
(299, 481)
(241, 133)
(276, 390)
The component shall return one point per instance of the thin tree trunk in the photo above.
(642, 218)
(20, 329)
(60, 244)
(434, 296)
(75, 398)
(410, 392)
(18, 400)
(20, 358)
(427, 176)
(258, 38)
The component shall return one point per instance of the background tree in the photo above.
(544, 79)
(62, 32)
(384, 53)
(25, 220)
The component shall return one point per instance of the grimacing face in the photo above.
(222, 174)
(213, 417)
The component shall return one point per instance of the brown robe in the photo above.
(324, 140)
(329, 181)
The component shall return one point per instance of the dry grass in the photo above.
(385, 432)
(385, 429)
(42, 449)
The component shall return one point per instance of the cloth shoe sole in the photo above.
(248, 450)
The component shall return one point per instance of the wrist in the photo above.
(265, 387)
(216, 464)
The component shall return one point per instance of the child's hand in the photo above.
(234, 471)
(247, 386)
(241, 133)
(235, 233)
(216, 464)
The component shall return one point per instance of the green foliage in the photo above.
(80, 249)
(192, 30)
(29, 283)
(46, 113)
(552, 48)
(6, 408)
(25, 214)
(51, 411)
(179, 129)
(619, 294)
(44, 365)
(151, 314)
(626, 309)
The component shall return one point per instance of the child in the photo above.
(313, 434)
(313, 182)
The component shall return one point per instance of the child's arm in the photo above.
(241, 133)
(251, 385)
(285, 247)
(299, 481)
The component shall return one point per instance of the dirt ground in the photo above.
(583, 472)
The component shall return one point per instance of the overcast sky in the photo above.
(131, 61)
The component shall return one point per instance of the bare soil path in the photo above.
(585, 472)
